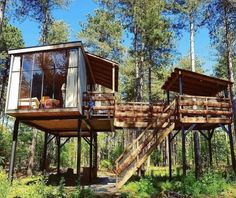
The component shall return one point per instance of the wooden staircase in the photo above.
(135, 155)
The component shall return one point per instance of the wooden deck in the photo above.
(207, 112)
(106, 115)
(62, 122)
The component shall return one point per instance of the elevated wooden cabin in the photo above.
(194, 102)
(50, 88)
(49, 85)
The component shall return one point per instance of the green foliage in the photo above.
(106, 164)
(11, 38)
(210, 184)
(5, 145)
(87, 193)
(102, 35)
(4, 184)
(140, 189)
(36, 189)
(61, 188)
(59, 32)
(185, 63)
(156, 157)
(84, 193)
(68, 152)
(76, 193)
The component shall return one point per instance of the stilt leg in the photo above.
(90, 157)
(13, 150)
(232, 148)
(78, 149)
(210, 147)
(95, 152)
(170, 155)
(58, 154)
(197, 154)
(184, 151)
(44, 165)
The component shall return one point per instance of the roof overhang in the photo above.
(45, 48)
(103, 70)
(195, 83)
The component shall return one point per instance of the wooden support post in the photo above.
(181, 85)
(79, 149)
(44, 165)
(13, 150)
(197, 155)
(210, 146)
(113, 78)
(90, 157)
(95, 152)
(184, 161)
(58, 154)
(170, 155)
(231, 142)
(168, 97)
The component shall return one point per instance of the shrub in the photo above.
(86, 193)
(140, 189)
(210, 184)
(4, 184)
(105, 164)
(61, 189)
(37, 189)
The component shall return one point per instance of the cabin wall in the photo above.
(82, 81)
(71, 81)
(13, 84)
(70, 84)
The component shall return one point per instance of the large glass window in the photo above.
(49, 79)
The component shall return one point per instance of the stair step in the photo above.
(138, 151)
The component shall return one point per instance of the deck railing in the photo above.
(137, 114)
(200, 109)
(104, 104)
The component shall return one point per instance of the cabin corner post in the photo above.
(113, 78)
(184, 162)
(169, 141)
(13, 150)
(45, 148)
(184, 150)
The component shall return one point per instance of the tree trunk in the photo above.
(4, 77)
(230, 72)
(192, 44)
(46, 22)
(192, 57)
(32, 153)
(2, 12)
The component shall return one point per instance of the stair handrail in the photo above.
(173, 103)
(149, 138)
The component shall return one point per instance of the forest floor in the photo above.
(105, 188)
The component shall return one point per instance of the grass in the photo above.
(211, 184)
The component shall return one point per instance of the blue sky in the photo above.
(78, 11)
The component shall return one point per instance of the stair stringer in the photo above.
(163, 135)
